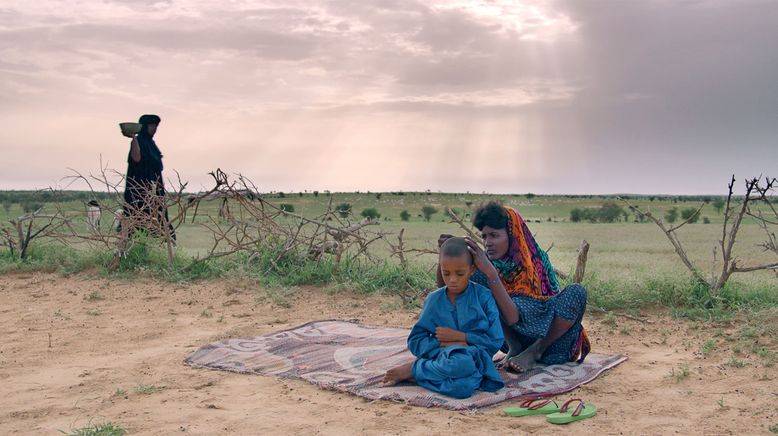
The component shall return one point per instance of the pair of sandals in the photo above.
(554, 413)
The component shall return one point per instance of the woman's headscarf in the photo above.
(153, 154)
(525, 269)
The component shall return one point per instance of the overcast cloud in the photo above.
(503, 96)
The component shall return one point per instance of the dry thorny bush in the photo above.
(759, 190)
(247, 222)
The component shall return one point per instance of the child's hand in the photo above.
(445, 334)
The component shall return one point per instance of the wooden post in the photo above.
(580, 266)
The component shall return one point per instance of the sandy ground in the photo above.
(66, 360)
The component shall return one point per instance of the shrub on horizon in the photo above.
(690, 214)
(370, 213)
(671, 215)
(343, 209)
(428, 211)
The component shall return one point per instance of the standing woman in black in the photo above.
(144, 192)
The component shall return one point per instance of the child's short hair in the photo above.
(455, 247)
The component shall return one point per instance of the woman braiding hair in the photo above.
(541, 323)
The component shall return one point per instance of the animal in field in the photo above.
(118, 214)
(93, 215)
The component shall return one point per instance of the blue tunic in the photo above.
(457, 371)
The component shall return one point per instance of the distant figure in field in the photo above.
(144, 192)
(541, 321)
(457, 333)
(93, 215)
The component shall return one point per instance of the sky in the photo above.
(542, 96)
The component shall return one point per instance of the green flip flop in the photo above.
(533, 407)
(565, 416)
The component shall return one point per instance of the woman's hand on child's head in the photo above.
(480, 259)
(445, 334)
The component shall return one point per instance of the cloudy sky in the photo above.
(502, 96)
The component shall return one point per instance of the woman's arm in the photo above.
(508, 310)
(135, 150)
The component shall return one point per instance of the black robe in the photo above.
(142, 175)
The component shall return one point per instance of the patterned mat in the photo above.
(353, 358)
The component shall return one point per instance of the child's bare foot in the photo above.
(398, 374)
(527, 359)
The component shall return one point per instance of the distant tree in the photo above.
(371, 213)
(343, 209)
(468, 203)
(378, 196)
(579, 214)
(529, 196)
(671, 215)
(31, 206)
(428, 211)
(609, 212)
(705, 220)
(301, 194)
(281, 195)
(718, 204)
(286, 207)
(315, 193)
(690, 214)
(405, 215)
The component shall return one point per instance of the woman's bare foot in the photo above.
(527, 359)
(503, 363)
(398, 374)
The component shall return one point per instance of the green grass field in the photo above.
(626, 252)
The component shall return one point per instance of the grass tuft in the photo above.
(147, 389)
(93, 296)
(105, 429)
(708, 346)
(736, 363)
(681, 373)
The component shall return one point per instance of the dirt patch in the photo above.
(81, 349)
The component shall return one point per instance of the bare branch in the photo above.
(456, 219)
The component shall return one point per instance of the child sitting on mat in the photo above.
(457, 333)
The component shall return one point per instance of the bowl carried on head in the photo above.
(130, 129)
